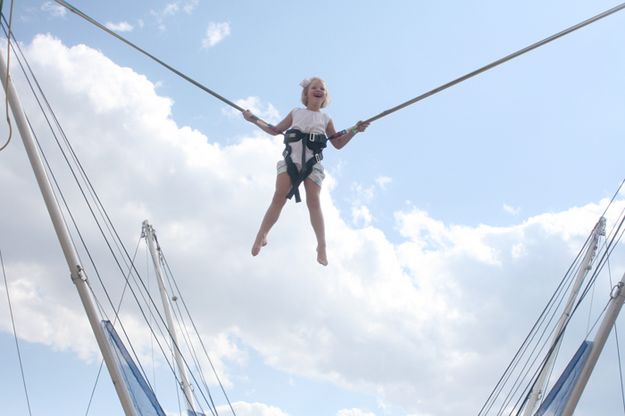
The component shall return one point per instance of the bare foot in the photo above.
(260, 242)
(322, 258)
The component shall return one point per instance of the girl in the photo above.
(304, 140)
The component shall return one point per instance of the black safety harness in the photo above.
(315, 142)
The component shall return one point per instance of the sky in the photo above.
(449, 223)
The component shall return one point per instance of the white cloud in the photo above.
(411, 321)
(354, 412)
(120, 26)
(247, 409)
(518, 250)
(215, 33)
(170, 10)
(190, 6)
(361, 215)
(361, 193)
(35, 308)
(53, 9)
(511, 210)
(252, 409)
(361, 196)
(383, 181)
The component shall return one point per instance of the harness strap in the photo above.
(314, 142)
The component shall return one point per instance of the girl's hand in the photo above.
(247, 114)
(361, 126)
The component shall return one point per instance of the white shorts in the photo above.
(317, 175)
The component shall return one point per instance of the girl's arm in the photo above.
(268, 128)
(341, 141)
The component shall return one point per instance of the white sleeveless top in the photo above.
(306, 121)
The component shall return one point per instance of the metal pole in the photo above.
(77, 273)
(539, 387)
(618, 297)
(148, 233)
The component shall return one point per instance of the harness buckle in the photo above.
(318, 157)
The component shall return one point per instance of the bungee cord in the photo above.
(149, 55)
(616, 339)
(384, 113)
(498, 62)
(6, 80)
(17, 344)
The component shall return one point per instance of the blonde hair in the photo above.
(306, 83)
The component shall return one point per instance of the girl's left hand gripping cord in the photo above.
(247, 114)
(360, 127)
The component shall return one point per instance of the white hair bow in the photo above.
(305, 82)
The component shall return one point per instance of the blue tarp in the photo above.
(554, 403)
(142, 396)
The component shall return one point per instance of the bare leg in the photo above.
(283, 185)
(316, 219)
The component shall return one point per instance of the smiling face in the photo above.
(314, 95)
